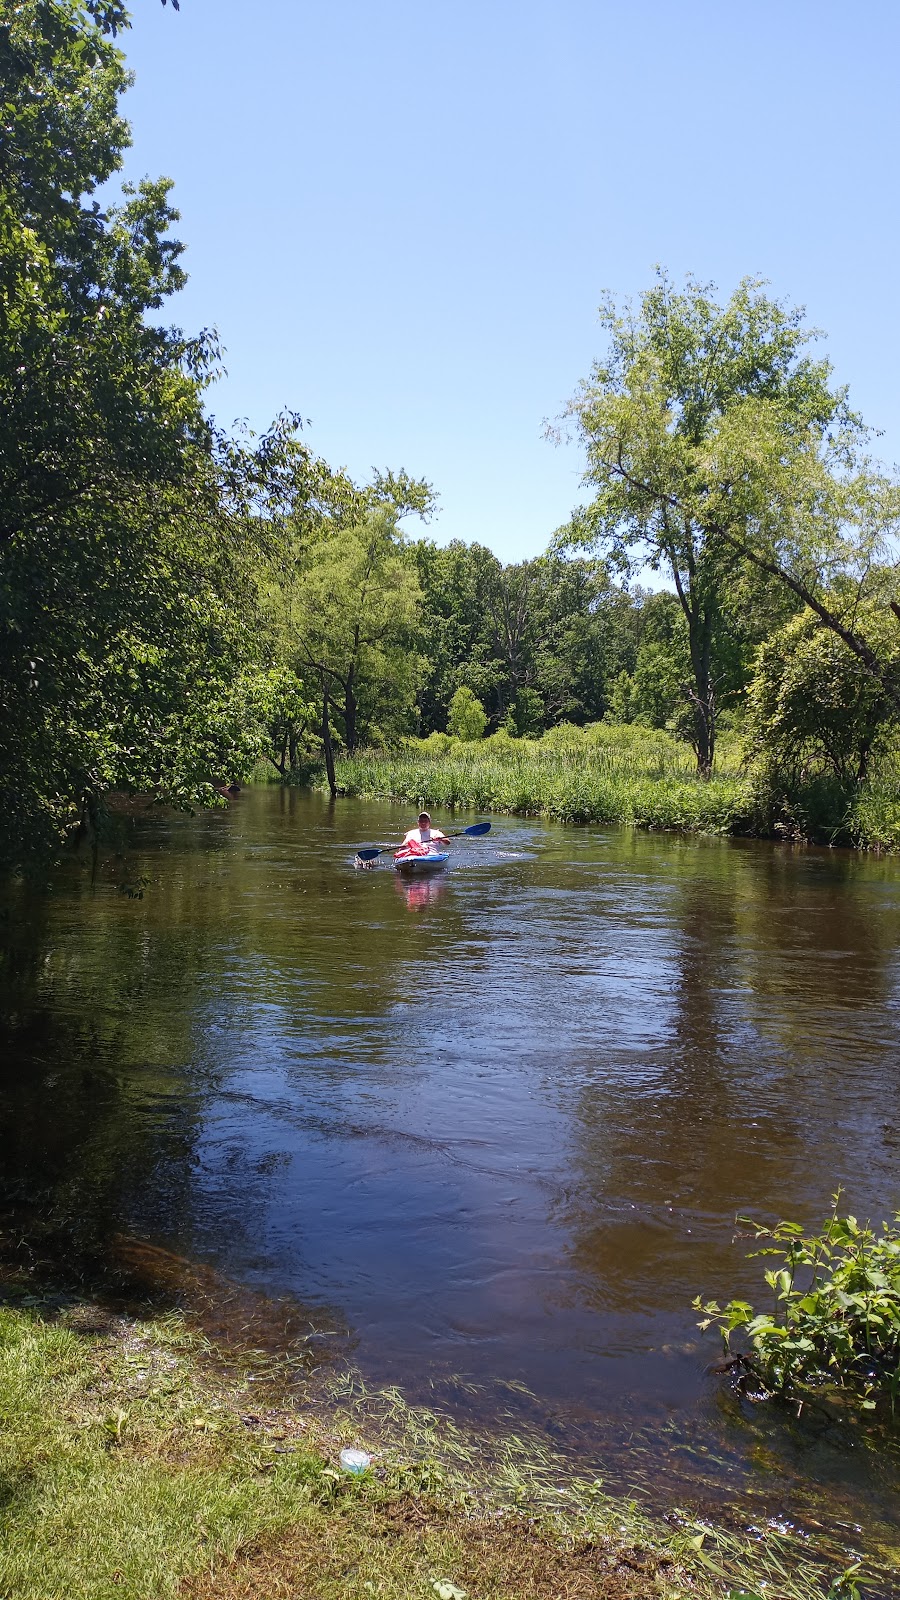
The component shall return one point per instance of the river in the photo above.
(488, 1133)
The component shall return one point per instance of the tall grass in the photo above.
(632, 776)
(638, 777)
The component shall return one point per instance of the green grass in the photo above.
(629, 776)
(874, 823)
(134, 1464)
(636, 777)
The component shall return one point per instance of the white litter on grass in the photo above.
(445, 1590)
(355, 1460)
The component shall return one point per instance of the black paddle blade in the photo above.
(367, 855)
(476, 828)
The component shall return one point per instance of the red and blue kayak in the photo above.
(413, 859)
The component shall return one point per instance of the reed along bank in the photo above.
(628, 776)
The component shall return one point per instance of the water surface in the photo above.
(496, 1126)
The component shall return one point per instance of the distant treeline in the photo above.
(558, 640)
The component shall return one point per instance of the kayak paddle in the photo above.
(476, 830)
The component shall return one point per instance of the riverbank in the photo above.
(619, 776)
(137, 1461)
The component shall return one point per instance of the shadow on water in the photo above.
(502, 1118)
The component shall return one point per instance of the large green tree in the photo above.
(344, 601)
(129, 528)
(715, 441)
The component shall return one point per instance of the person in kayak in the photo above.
(425, 833)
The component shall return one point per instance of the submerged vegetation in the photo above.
(135, 1462)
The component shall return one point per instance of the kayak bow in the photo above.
(413, 865)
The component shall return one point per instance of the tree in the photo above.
(621, 698)
(291, 716)
(814, 706)
(576, 615)
(555, 626)
(527, 715)
(467, 719)
(694, 424)
(805, 508)
(657, 686)
(129, 526)
(660, 687)
(348, 612)
(543, 632)
(453, 642)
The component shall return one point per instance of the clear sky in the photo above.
(401, 217)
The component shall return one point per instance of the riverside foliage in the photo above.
(141, 548)
(835, 1321)
(136, 1461)
(637, 776)
(129, 526)
(628, 775)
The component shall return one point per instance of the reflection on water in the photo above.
(502, 1118)
(420, 892)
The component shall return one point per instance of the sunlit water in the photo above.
(494, 1126)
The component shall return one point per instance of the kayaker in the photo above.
(425, 833)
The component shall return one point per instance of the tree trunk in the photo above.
(292, 747)
(699, 612)
(703, 695)
(327, 745)
(350, 709)
(705, 734)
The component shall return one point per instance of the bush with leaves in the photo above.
(835, 1320)
(467, 719)
(813, 706)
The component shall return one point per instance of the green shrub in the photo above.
(437, 744)
(467, 719)
(835, 1321)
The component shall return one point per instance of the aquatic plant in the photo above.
(835, 1321)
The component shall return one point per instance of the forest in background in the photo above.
(181, 603)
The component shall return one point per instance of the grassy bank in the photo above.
(134, 1465)
(636, 777)
(629, 776)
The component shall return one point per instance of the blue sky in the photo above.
(401, 218)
